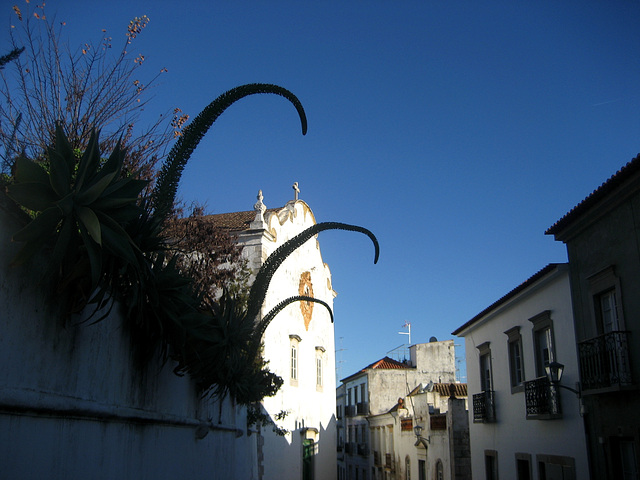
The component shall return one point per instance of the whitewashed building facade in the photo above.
(298, 344)
(521, 426)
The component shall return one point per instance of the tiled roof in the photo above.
(235, 221)
(530, 281)
(385, 363)
(443, 389)
(597, 195)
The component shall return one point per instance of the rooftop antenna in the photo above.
(406, 325)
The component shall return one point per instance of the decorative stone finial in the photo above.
(259, 208)
(296, 190)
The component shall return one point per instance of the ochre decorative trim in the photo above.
(306, 288)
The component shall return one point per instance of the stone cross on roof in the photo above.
(296, 190)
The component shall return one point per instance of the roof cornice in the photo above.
(624, 183)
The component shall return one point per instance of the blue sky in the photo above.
(456, 131)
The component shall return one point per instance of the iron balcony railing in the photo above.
(350, 448)
(484, 409)
(542, 399)
(604, 361)
(362, 408)
(350, 411)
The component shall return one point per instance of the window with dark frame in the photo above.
(607, 311)
(491, 464)
(625, 460)
(556, 466)
(439, 470)
(486, 381)
(543, 341)
(294, 362)
(516, 364)
(293, 359)
(604, 288)
(523, 466)
(319, 367)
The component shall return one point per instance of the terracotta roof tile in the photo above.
(443, 389)
(235, 221)
(385, 363)
(598, 194)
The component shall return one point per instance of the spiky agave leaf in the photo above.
(83, 212)
(164, 193)
(260, 285)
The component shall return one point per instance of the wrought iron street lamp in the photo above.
(554, 372)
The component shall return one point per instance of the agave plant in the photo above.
(82, 203)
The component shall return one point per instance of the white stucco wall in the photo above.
(75, 404)
(403, 445)
(513, 433)
(434, 361)
(308, 406)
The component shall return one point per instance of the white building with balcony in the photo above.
(522, 425)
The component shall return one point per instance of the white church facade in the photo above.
(298, 344)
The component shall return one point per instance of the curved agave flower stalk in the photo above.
(262, 325)
(260, 286)
(169, 177)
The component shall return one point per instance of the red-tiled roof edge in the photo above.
(460, 389)
(612, 183)
(385, 363)
(443, 389)
(530, 281)
(236, 221)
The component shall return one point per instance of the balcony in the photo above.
(604, 362)
(362, 408)
(484, 409)
(350, 411)
(542, 399)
